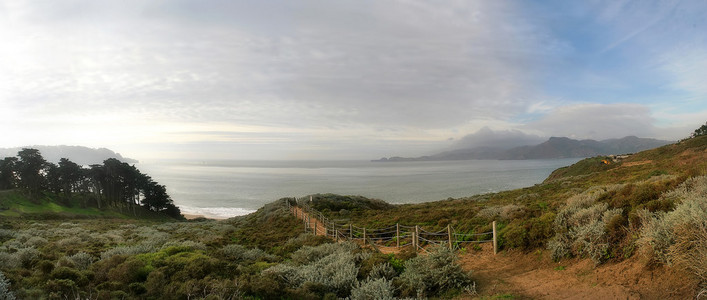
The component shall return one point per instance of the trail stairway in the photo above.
(392, 239)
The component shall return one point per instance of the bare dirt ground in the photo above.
(315, 225)
(536, 276)
(637, 163)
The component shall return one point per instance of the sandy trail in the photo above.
(536, 276)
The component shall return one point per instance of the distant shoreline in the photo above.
(194, 216)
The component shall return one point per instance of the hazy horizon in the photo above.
(346, 80)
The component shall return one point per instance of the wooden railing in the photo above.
(390, 238)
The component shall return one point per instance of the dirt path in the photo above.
(317, 227)
(321, 229)
(536, 276)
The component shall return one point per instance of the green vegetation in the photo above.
(229, 259)
(600, 208)
(58, 189)
(53, 246)
(700, 131)
(343, 204)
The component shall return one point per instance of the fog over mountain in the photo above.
(78, 154)
(516, 145)
(504, 139)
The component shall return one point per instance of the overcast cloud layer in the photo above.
(344, 79)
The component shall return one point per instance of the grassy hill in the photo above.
(670, 165)
(15, 204)
(602, 210)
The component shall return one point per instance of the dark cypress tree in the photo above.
(70, 176)
(8, 173)
(30, 168)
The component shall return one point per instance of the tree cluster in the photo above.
(700, 131)
(114, 183)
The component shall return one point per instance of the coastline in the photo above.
(196, 216)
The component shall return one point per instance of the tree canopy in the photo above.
(113, 183)
(700, 131)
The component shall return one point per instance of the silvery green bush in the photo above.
(239, 253)
(5, 293)
(36, 242)
(6, 234)
(8, 261)
(127, 250)
(680, 236)
(434, 273)
(308, 254)
(27, 256)
(187, 244)
(81, 260)
(329, 265)
(384, 270)
(373, 289)
(580, 227)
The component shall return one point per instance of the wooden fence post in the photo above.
(336, 232)
(306, 223)
(364, 235)
(416, 238)
(495, 240)
(350, 232)
(397, 234)
(449, 234)
(315, 227)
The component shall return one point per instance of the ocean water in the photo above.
(231, 188)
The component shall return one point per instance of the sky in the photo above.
(345, 79)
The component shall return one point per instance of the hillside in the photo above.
(604, 209)
(594, 228)
(15, 204)
(555, 147)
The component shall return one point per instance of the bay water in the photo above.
(231, 188)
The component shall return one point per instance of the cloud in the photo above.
(597, 121)
(310, 74)
(506, 139)
(407, 63)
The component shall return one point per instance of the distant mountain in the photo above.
(555, 147)
(78, 154)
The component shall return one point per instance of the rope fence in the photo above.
(395, 236)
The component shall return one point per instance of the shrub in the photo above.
(62, 288)
(308, 254)
(513, 235)
(131, 270)
(239, 253)
(69, 242)
(5, 293)
(506, 212)
(67, 273)
(8, 261)
(27, 256)
(189, 245)
(333, 202)
(81, 260)
(580, 227)
(330, 265)
(679, 236)
(540, 229)
(127, 250)
(435, 273)
(384, 271)
(6, 234)
(372, 289)
(36, 242)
